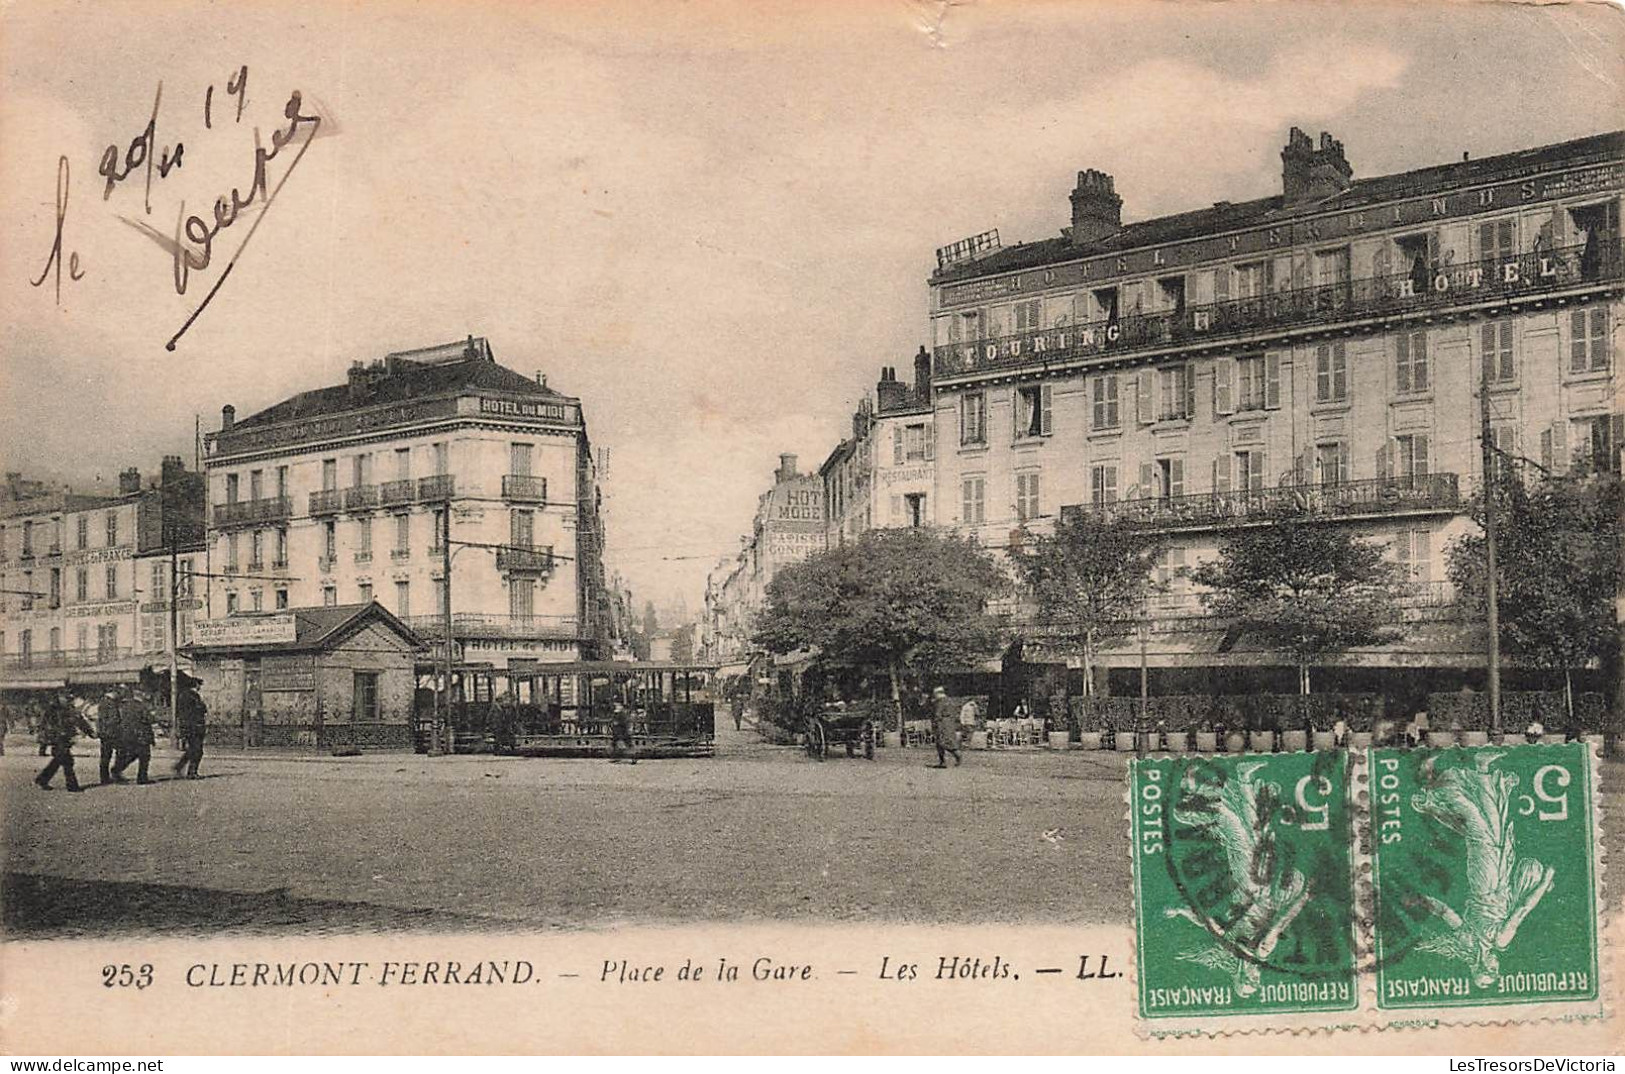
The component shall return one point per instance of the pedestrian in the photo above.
(1340, 733)
(945, 722)
(739, 713)
(505, 722)
(135, 737)
(61, 724)
(191, 716)
(1535, 730)
(108, 729)
(621, 732)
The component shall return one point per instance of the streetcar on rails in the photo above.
(571, 709)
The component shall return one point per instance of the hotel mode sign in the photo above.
(1329, 228)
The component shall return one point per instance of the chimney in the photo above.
(787, 467)
(173, 469)
(228, 417)
(922, 375)
(1313, 174)
(890, 393)
(1097, 211)
(129, 481)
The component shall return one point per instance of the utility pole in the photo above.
(174, 636)
(1493, 619)
(446, 735)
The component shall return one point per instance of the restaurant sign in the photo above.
(246, 630)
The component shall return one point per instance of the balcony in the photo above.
(280, 563)
(395, 493)
(256, 565)
(325, 564)
(252, 512)
(1470, 283)
(436, 489)
(400, 555)
(325, 502)
(363, 556)
(525, 560)
(487, 625)
(63, 659)
(361, 498)
(522, 488)
(1349, 499)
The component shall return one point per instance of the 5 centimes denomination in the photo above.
(1485, 874)
(1243, 885)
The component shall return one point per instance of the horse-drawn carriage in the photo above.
(853, 726)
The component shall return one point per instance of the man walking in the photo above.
(621, 734)
(60, 723)
(135, 738)
(108, 728)
(191, 716)
(945, 722)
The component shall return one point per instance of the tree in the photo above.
(1557, 567)
(1307, 588)
(891, 602)
(1089, 578)
(682, 645)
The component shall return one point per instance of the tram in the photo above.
(568, 709)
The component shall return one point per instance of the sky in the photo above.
(712, 222)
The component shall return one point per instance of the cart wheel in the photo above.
(869, 741)
(817, 744)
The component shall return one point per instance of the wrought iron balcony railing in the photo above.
(1207, 510)
(522, 488)
(436, 488)
(525, 560)
(325, 502)
(393, 493)
(250, 512)
(361, 497)
(61, 659)
(1467, 283)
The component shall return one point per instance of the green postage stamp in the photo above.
(1484, 863)
(1244, 889)
(1396, 887)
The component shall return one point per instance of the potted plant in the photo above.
(1321, 722)
(1207, 740)
(1262, 737)
(1087, 716)
(1295, 737)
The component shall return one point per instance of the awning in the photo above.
(125, 670)
(33, 682)
(799, 656)
(732, 671)
(1423, 645)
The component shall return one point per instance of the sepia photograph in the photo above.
(914, 527)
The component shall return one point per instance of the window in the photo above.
(231, 488)
(522, 529)
(1252, 279)
(403, 599)
(1249, 382)
(281, 482)
(973, 418)
(1411, 369)
(1103, 392)
(256, 600)
(156, 584)
(1332, 267)
(403, 534)
(1027, 316)
(972, 491)
(1497, 240)
(231, 604)
(1414, 550)
(363, 592)
(1032, 408)
(107, 638)
(1495, 342)
(1167, 479)
(1105, 303)
(231, 551)
(256, 554)
(522, 598)
(1027, 506)
(256, 484)
(330, 595)
(281, 599)
(1410, 457)
(56, 587)
(363, 539)
(281, 548)
(330, 474)
(81, 637)
(330, 540)
(112, 581)
(440, 596)
(112, 528)
(519, 459)
(362, 470)
(81, 584)
(1103, 484)
(1331, 373)
(915, 502)
(911, 443)
(403, 464)
(1170, 565)
(1588, 340)
(1504, 439)
(440, 461)
(1596, 442)
(1176, 399)
(439, 530)
(366, 698)
(1250, 470)
(81, 533)
(1332, 463)
(28, 538)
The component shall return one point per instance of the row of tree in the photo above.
(912, 604)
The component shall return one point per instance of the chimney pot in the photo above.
(1097, 211)
(129, 481)
(228, 417)
(1313, 174)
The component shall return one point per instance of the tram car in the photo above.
(570, 709)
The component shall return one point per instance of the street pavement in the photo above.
(318, 843)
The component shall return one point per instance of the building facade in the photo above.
(882, 476)
(341, 496)
(85, 579)
(1318, 353)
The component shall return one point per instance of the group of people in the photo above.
(123, 723)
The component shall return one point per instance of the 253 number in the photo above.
(125, 975)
